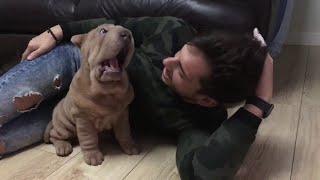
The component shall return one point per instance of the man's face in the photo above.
(183, 72)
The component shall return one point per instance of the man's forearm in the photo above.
(57, 31)
(264, 88)
(222, 153)
(232, 141)
(65, 31)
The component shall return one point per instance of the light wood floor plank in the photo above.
(271, 155)
(115, 166)
(159, 164)
(31, 164)
(307, 155)
(311, 96)
(51, 149)
(289, 73)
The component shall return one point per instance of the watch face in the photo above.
(268, 111)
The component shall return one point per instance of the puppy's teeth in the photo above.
(114, 63)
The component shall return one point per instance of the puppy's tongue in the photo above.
(114, 63)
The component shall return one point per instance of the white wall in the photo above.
(305, 24)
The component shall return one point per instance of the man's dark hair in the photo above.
(236, 61)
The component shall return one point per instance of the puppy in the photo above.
(98, 97)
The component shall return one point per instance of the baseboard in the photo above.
(303, 38)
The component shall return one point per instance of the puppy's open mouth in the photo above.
(116, 63)
(110, 69)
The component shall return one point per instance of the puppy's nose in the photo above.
(125, 35)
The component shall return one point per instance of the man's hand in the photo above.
(42, 43)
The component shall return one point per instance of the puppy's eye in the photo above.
(103, 31)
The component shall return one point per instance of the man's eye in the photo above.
(103, 31)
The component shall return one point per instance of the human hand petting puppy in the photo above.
(42, 43)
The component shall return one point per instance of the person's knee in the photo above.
(24, 101)
(3, 119)
(27, 101)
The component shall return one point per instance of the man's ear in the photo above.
(78, 39)
(206, 101)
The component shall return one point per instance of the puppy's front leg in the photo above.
(88, 139)
(123, 135)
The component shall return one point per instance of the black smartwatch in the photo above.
(264, 106)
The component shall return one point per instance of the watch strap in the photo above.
(261, 104)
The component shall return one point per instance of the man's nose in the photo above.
(170, 62)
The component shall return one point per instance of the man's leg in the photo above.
(28, 128)
(24, 113)
(24, 86)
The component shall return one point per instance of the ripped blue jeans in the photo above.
(28, 93)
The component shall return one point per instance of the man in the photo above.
(181, 83)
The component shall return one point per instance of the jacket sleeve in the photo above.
(221, 154)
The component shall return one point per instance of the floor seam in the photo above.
(138, 163)
(63, 164)
(300, 109)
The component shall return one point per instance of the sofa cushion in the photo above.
(33, 16)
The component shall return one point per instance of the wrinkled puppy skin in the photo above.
(98, 97)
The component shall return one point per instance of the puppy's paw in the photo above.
(63, 148)
(130, 148)
(93, 158)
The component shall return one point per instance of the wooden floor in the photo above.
(287, 145)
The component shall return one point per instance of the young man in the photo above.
(181, 83)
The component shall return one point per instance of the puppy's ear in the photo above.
(78, 39)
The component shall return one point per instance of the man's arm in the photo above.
(155, 35)
(223, 152)
(220, 154)
(50, 38)
(264, 89)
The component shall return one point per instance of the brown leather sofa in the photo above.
(21, 20)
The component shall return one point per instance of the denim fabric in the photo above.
(37, 76)
(28, 128)
(18, 130)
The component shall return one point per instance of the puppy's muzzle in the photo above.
(111, 68)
